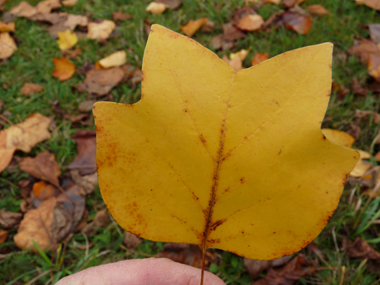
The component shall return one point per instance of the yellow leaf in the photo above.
(66, 39)
(100, 31)
(116, 59)
(156, 8)
(64, 69)
(224, 159)
(193, 26)
(339, 137)
(7, 27)
(7, 45)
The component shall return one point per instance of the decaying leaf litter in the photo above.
(120, 84)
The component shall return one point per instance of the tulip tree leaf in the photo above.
(223, 159)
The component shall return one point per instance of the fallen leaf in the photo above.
(313, 249)
(85, 161)
(131, 241)
(101, 220)
(181, 164)
(208, 27)
(374, 66)
(118, 58)
(296, 22)
(363, 48)
(256, 267)
(193, 26)
(298, 267)
(100, 31)
(86, 106)
(9, 219)
(45, 7)
(251, 23)
(31, 88)
(374, 4)
(291, 3)
(317, 10)
(27, 134)
(357, 88)
(189, 254)
(236, 59)
(259, 57)
(24, 9)
(64, 69)
(3, 236)
(43, 167)
(361, 249)
(367, 115)
(66, 40)
(339, 137)
(360, 168)
(7, 46)
(120, 16)
(43, 191)
(75, 20)
(88, 183)
(36, 227)
(69, 3)
(277, 2)
(72, 53)
(6, 155)
(7, 27)
(101, 81)
(156, 8)
(51, 18)
(172, 4)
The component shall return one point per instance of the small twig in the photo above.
(334, 239)
(87, 245)
(37, 277)
(342, 276)
(6, 119)
(10, 183)
(24, 53)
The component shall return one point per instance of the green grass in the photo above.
(33, 63)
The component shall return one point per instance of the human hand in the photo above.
(151, 271)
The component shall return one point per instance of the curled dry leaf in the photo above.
(31, 88)
(67, 40)
(208, 27)
(251, 23)
(69, 3)
(3, 235)
(24, 9)
(116, 59)
(291, 3)
(156, 8)
(43, 167)
(236, 59)
(64, 69)
(259, 57)
(85, 161)
(7, 45)
(374, 4)
(131, 241)
(360, 249)
(296, 22)
(45, 7)
(86, 106)
(72, 53)
(100, 31)
(120, 16)
(358, 89)
(9, 219)
(7, 27)
(101, 81)
(256, 267)
(43, 191)
(25, 135)
(75, 20)
(6, 154)
(101, 219)
(317, 10)
(193, 26)
(88, 183)
(172, 4)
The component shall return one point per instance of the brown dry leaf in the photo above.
(259, 57)
(36, 226)
(120, 16)
(118, 58)
(43, 191)
(86, 106)
(277, 2)
(296, 22)
(75, 20)
(363, 48)
(291, 3)
(43, 167)
(365, 115)
(85, 161)
(189, 254)
(47, 5)
(31, 88)
(208, 27)
(9, 219)
(52, 18)
(374, 32)
(69, 3)
(172, 4)
(24, 9)
(374, 4)
(317, 10)
(236, 59)
(3, 235)
(88, 183)
(193, 26)
(7, 45)
(298, 267)
(374, 66)
(156, 8)
(101, 220)
(7, 27)
(6, 155)
(72, 53)
(131, 241)
(361, 249)
(314, 249)
(251, 23)
(256, 267)
(357, 88)
(64, 69)
(100, 31)
(101, 81)
(27, 134)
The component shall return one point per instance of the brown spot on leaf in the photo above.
(323, 136)
(202, 139)
(242, 180)
(215, 225)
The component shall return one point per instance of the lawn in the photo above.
(357, 214)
